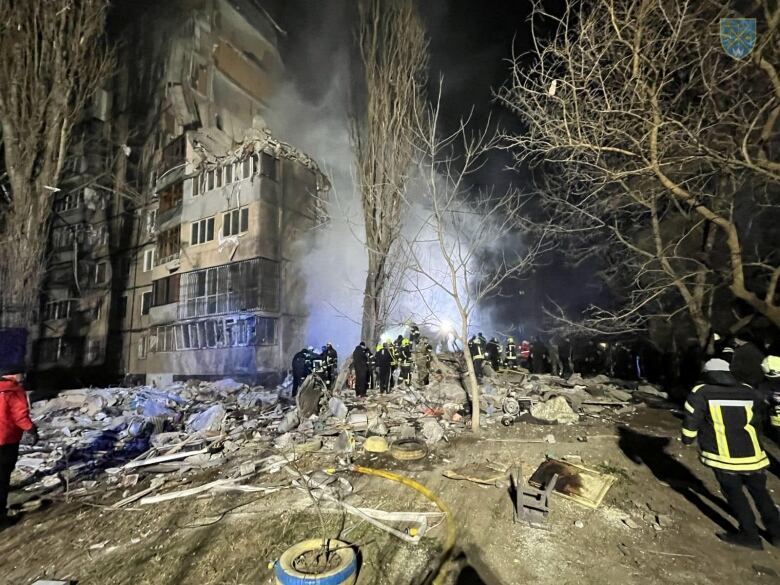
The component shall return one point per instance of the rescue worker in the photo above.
(331, 362)
(482, 340)
(405, 360)
(493, 353)
(384, 363)
(414, 334)
(360, 363)
(14, 421)
(477, 356)
(770, 388)
(301, 367)
(318, 363)
(525, 355)
(510, 355)
(371, 368)
(725, 417)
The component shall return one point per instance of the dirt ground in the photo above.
(230, 538)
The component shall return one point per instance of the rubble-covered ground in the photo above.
(206, 483)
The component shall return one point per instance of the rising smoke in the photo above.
(311, 111)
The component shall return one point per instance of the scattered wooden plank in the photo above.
(163, 458)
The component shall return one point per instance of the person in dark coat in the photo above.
(539, 356)
(14, 422)
(360, 363)
(384, 364)
(493, 353)
(746, 362)
(331, 362)
(301, 367)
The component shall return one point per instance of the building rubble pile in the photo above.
(112, 438)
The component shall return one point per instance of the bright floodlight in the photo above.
(446, 327)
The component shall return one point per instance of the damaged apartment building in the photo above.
(180, 228)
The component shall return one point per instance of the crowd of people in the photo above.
(392, 362)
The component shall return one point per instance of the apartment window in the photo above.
(148, 259)
(171, 197)
(265, 331)
(218, 177)
(63, 237)
(228, 174)
(146, 302)
(142, 348)
(57, 310)
(69, 201)
(210, 180)
(196, 185)
(54, 349)
(168, 245)
(165, 290)
(91, 350)
(240, 286)
(235, 222)
(269, 166)
(98, 236)
(202, 231)
(101, 271)
(246, 168)
(151, 221)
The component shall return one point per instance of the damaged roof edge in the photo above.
(255, 140)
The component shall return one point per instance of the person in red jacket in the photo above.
(14, 421)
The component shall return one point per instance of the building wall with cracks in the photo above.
(201, 275)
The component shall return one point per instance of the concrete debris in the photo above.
(555, 410)
(432, 431)
(131, 440)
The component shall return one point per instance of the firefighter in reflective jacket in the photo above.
(477, 355)
(405, 356)
(725, 417)
(510, 357)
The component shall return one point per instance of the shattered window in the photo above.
(246, 167)
(196, 186)
(228, 173)
(269, 166)
(210, 180)
(142, 348)
(265, 331)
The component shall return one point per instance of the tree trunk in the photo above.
(372, 298)
(472, 386)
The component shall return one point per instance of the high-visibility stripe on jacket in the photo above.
(725, 417)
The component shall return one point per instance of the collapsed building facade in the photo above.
(180, 226)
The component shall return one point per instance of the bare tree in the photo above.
(467, 242)
(52, 59)
(393, 50)
(658, 152)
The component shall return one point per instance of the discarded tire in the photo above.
(344, 573)
(408, 450)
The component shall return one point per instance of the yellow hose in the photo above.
(449, 541)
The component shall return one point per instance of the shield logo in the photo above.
(738, 36)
